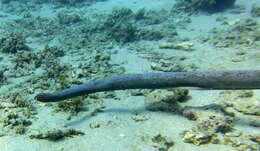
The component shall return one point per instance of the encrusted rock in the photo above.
(241, 100)
(196, 137)
(167, 66)
(162, 143)
(255, 11)
(187, 46)
(2, 77)
(12, 120)
(241, 32)
(56, 134)
(12, 43)
(215, 124)
(255, 138)
(204, 5)
(166, 100)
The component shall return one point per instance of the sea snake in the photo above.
(226, 79)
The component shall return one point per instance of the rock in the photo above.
(12, 43)
(255, 11)
(203, 5)
(187, 46)
(196, 137)
(242, 100)
(233, 22)
(56, 134)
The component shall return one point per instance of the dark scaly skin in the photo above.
(227, 79)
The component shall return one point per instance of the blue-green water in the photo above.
(47, 46)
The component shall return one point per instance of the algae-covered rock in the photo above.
(2, 77)
(6, 1)
(72, 106)
(162, 143)
(17, 98)
(12, 43)
(255, 11)
(65, 18)
(56, 134)
(255, 138)
(196, 137)
(121, 26)
(215, 124)
(166, 100)
(187, 46)
(167, 66)
(204, 5)
(209, 129)
(241, 32)
(63, 2)
(14, 120)
(173, 64)
(242, 100)
(241, 143)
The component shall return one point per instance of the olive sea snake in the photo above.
(226, 79)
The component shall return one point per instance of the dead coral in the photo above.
(56, 134)
(12, 43)
(121, 26)
(173, 64)
(255, 11)
(65, 18)
(14, 120)
(98, 124)
(203, 5)
(241, 33)
(197, 137)
(5, 1)
(138, 117)
(207, 130)
(97, 65)
(216, 124)
(242, 101)
(72, 106)
(219, 130)
(2, 77)
(166, 100)
(255, 138)
(186, 46)
(64, 2)
(162, 143)
(241, 143)
(17, 98)
(24, 63)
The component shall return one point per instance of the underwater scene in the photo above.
(129, 75)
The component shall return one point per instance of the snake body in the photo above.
(226, 79)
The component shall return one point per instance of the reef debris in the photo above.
(12, 43)
(56, 134)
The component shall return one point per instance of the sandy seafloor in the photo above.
(125, 134)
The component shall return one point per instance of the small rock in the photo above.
(187, 46)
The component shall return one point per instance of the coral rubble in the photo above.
(243, 101)
(204, 5)
(12, 43)
(244, 32)
(56, 134)
(255, 11)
